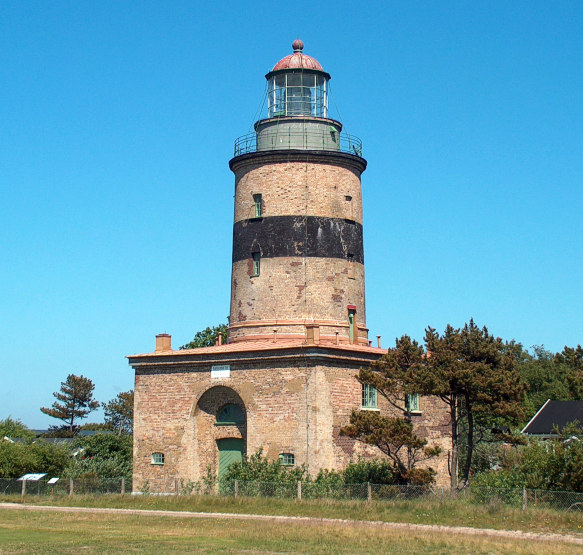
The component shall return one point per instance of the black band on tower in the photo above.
(313, 236)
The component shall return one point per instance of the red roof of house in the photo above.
(266, 345)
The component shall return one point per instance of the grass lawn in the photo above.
(54, 532)
(422, 511)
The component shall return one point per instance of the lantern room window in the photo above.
(298, 93)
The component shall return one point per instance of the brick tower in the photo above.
(297, 237)
(285, 379)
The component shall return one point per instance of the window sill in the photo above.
(220, 424)
(373, 409)
(157, 464)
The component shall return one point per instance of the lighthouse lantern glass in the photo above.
(297, 93)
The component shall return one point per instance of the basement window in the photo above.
(369, 396)
(287, 459)
(256, 264)
(158, 458)
(257, 205)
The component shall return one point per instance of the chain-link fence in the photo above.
(66, 486)
(95, 485)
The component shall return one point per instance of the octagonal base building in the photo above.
(284, 379)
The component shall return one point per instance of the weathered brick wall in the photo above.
(298, 188)
(297, 288)
(292, 406)
(300, 289)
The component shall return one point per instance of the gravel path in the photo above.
(310, 520)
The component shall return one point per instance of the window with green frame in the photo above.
(286, 459)
(412, 402)
(257, 205)
(369, 396)
(256, 263)
(230, 415)
(158, 458)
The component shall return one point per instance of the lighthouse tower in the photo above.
(297, 236)
(284, 380)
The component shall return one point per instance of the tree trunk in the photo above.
(470, 452)
(453, 470)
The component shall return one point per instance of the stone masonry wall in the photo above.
(292, 406)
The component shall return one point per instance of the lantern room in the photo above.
(297, 86)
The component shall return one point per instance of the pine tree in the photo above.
(74, 401)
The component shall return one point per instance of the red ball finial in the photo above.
(297, 45)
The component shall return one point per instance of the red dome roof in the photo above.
(297, 59)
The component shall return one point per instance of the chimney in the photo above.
(312, 334)
(220, 338)
(337, 342)
(274, 335)
(379, 341)
(163, 342)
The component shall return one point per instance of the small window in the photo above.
(369, 396)
(257, 205)
(286, 459)
(348, 198)
(412, 402)
(230, 414)
(256, 263)
(158, 458)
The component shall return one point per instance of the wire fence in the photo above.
(95, 485)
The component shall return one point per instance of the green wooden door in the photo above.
(230, 451)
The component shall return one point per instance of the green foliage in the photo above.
(375, 471)
(546, 377)
(9, 427)
(394, 376)
(396, 439)
(555, 464)
(119, 412)
(207, 337)
(258, 468)
(17, 459)
(104, 455)
(74, 400)
(476, 375)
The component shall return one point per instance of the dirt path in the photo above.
(310, 520)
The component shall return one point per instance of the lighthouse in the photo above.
(297, 236)
(284, 380)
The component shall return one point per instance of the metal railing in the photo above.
(298, 140)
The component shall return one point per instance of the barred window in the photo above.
(256, 263)
(158, 458)
(286, 459)
(257, 205)
(369, 396)
(412, 402)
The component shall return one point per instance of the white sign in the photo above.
(221, 371)
(53, 481)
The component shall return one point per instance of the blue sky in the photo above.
(117, 125)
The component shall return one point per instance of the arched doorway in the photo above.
(221, 429)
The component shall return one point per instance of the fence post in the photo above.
(368, 492)
(123, 486)
(236, 488)
(442, 494)
(70, 486)
(176, 492)
(23, 487)
(524, 501)
(299, 489)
